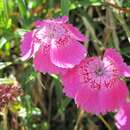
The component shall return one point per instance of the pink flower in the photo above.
(123, 117)
(54, 44)
(9, 93)
(96, 83)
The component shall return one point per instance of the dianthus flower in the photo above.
(8, 93)
(123, 117)
(96, 84)
(54, 44)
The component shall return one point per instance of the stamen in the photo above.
(100, 76)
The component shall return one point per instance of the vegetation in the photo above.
(42, 104)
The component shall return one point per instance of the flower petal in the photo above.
(67, 56)
(43, 64)
(26, 46)
(115, 57)
(70, 82)
(39, 23)
(114, 97)
(75, 33)
(102, 101)
(122, 118)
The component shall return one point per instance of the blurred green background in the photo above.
(43, 106)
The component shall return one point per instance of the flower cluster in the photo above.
(8, 93)
(95, 83)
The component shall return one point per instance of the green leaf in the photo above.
(2, 42)
(7, 48)
(27, 77)
(9, 23)
(3, 13)
(58, 89)
(91, 2)
(31, 76)
(36, 111)
(65, 102)
(126, 3)
(15, 106)
(51, 3)
(1, 5)
(22, 8)
(4, 64)
(6, 81)
(126, 51)
(65, 7)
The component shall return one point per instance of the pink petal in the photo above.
(70, 82)
(114, 97)
(39, 23)
(123, 117)
(43, 64)
(67, 56)
(88, 100)
(126, 71)
(75, 33)
(102, 101)
(115, 57)
(26, 46)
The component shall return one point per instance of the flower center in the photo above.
(97, 74)
(50, 32)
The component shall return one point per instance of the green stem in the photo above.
(105, 122)
(96, 42)
(5, 122)
(80, 116)
(124, 25)
(121, 19)
(7, 81)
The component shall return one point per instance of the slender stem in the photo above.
(80, 116)
(50, 102)
(124, 25)
(5, 122)
(121, 19)
(118, 7)
(105, 122)
(113, 26)
(96, 42)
